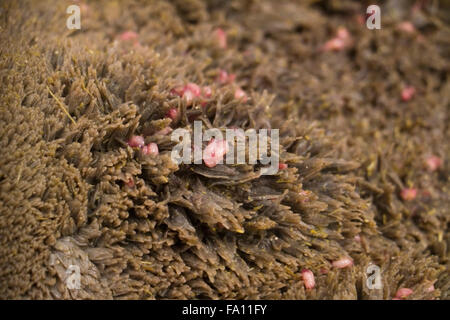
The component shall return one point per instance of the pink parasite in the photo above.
(150, 149)
(433, 163)
(406, 26)
(408, 93)
(172, 113)
(136, 142)
(128, 35)
(139, 142)
(224, 77)
(342, 263)
(402, 293)
(308, 279)
(408, 194)
(214, 152)
(282, 166)
(221, 38)
(191, 91)
(240, 94)
(341, 41)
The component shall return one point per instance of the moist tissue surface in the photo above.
(356, 185)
